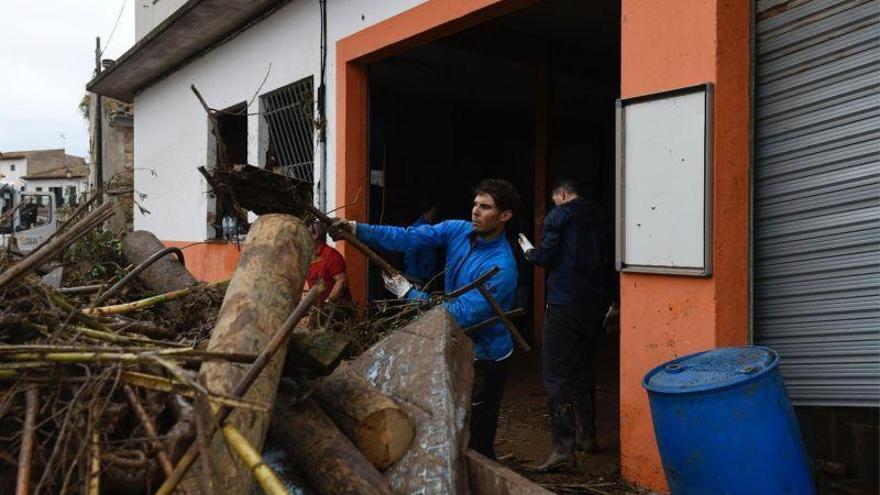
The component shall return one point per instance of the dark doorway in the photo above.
(528, 97)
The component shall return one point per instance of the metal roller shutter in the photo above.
(816, 196)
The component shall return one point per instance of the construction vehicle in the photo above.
(27, 219)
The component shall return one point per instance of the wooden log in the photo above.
(378, 426)
(265, 288)
(167, 274)
(487, 477)
(315, 351)
(265, 358)
(316, 447)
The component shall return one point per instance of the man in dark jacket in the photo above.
(421, 264)
(575, 253)
(472, 248)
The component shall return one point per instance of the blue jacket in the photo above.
(420, 264)
(467, 257)
(575, 250)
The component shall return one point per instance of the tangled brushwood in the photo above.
(82, 391)
(97, 398)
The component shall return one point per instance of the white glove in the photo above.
(525, 244)
(396, 284)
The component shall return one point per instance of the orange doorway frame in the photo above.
(422, 24)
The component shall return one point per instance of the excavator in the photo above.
(26, 218)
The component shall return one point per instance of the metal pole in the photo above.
(322, 112)
(99, 131)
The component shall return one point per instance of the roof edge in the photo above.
(124, 62)
(141, 43)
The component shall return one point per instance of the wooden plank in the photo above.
(487, 477)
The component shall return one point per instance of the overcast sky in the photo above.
(47, 54)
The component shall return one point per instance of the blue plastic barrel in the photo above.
(725, 425)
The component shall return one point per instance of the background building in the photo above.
(65, 176)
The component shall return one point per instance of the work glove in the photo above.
(525, 244)
(339, 226)
(612, 319)
(396, 284)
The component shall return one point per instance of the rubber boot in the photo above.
(562, 426)
(585, 439)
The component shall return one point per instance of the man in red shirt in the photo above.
(327, 265)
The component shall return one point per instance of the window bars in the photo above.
(289, 113)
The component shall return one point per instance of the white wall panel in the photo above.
(171, 128)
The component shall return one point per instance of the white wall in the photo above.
(150, 13)
(13, 176)
(171, 129)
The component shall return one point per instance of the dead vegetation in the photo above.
(86, 389)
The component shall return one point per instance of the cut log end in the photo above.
(384, 436)
(379, 427)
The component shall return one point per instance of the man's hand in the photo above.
(525, 244)
(396, 284)
(339, 226)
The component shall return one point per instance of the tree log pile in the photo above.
(114, 387)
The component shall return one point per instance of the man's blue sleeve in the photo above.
(551, 239)
(392, 238)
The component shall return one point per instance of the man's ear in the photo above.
(506, 215)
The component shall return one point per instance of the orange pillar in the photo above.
(667, 45)
(352, 189)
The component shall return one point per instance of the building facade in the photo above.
(420, 98)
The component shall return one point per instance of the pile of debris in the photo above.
(90, 398)
(144, 383)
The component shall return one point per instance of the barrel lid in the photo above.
(710, 370)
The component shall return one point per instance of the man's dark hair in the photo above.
(505, 195)
(319, 229)
(567, 185)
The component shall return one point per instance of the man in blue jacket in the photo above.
(574, 250)
(472, 248)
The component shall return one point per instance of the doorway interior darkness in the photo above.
(528, 97)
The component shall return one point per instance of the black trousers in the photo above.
(489, 378)
(567, 356)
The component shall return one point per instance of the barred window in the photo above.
(289, 112)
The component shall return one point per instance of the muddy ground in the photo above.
(524, 434)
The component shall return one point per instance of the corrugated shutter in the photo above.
(816, 230)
